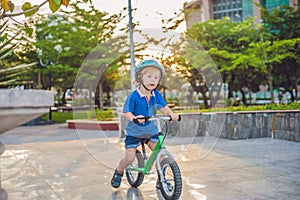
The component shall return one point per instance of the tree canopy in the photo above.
(246, 54)
(64, 40)
(249, 53)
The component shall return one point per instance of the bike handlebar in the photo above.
(149, 118)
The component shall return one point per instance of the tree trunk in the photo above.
(230, 86)
(296, 90)
(164, 91)
(205, 99)
(292, 95)
(244, 100)
(90, 99)
(101, 107)
(270, 82)
(203, 90)
(63, 98)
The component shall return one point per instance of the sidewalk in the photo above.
(53, 162)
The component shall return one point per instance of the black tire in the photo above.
(135, 178)
(171, 188)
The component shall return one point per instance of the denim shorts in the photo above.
(134, 142)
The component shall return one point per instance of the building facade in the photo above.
(236, 10)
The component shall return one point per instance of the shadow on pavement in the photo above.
(133, 193)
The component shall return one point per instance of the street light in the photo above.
(132, 65)
(57, 48)
(44, 64)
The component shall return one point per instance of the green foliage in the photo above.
(55, 5)
(249, 53)
(14, 76)
(227, 43)
(62, 117)
(281, 23)
(28, 9)
(12, 73)
(173, 101)
(7, 42)
(291, 106)
(12, 41)
(79, 42)
(104, 115)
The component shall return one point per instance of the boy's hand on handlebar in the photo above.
(175, 117)
(137, 120)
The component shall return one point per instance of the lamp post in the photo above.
(58, 48)
(132, 65)
(44, 64)
(39, 85)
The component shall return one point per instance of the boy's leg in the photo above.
(131, 144)
(151, 145)
(118, 174)
(128, 159)
(153, 141)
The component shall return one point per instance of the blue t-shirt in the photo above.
(137, 104)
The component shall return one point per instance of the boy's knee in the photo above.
(151, 145)
(130, 156)
(131, 160)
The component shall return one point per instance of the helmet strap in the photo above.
(148, 88)
(140, 78)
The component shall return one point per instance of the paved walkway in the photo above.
(53, 162)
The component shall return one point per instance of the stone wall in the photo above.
(241, 125)
(283, 125)
(20, 106)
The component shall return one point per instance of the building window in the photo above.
(270, 4)
(229, 8)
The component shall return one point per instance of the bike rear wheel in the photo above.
(135, 178)
(172, 186)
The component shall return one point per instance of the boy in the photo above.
(143, 101)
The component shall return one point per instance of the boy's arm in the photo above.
(129, 116)
(168, 112)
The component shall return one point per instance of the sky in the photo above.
(148, 13)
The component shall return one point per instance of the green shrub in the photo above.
(173, 101)
(62, 117)
(104, 115)
(107, 115)
(291, 106)
(59, 117)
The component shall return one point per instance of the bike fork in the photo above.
(162, 153)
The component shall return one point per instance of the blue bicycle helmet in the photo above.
(149, 63)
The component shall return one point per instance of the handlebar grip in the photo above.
(179, 118)
(136, 120)
(147, 118)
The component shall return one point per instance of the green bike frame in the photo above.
(148, 164)
(158, 151)
(169, 179)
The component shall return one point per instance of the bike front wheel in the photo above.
(172, 185)
(135, 178)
